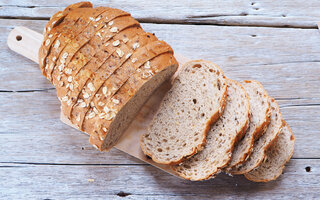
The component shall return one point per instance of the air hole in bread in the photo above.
(211, 70)
(164, 140)
(159, 150)
(202, 115)
(196, 66)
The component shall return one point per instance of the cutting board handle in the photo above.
(26, 42)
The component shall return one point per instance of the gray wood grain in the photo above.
(285, 66)
(285, 13)
(142, 182)
(32, 119)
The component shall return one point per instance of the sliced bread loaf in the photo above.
(194, 102)
(259, 119)
(221, 137)
(276, 157)
(263, 143)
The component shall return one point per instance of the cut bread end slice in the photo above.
(221, 137)
(276, 157)
(195, 101)
(263, 143)
(127, 113)
(259, 120)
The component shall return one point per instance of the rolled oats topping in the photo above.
(70, 79)
(110, 23)
(98, 18)
(56, 44)
(147, 65)
(91, 115)
(104, 90)
(115, 101)
(106, 109)
(114, 30)
(116, 43)
(135, 46)
(134, 60)
(47, 42)
(91, 87)
(100, 103)
(125, 40)
(120, 53)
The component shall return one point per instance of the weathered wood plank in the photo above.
(139, 182)
(32, 132)
(229, 12)
(288, 67)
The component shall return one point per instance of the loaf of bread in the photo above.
(104, 67)
(221, 138)
(179, 128)
(276, 157)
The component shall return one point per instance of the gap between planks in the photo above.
(191, 21)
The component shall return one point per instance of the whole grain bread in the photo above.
(126, 103)
(103, 66)
(179, 128)
(276, 157)
(98, 40)
(58, 18)
(221, 138)
(263, 143)
(124, 68)
(69, 46)
(259, 119)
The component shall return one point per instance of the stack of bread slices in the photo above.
(207, 124)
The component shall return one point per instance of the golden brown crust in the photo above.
(69, 46)
(102, 65)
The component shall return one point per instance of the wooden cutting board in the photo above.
(27, 43)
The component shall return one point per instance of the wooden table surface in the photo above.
(275, 42)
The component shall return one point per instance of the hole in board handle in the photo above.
(18, 37)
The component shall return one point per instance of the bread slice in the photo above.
(194, 102)
(276, 157)
(263, 143)
(259, 119)
(221, 138)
